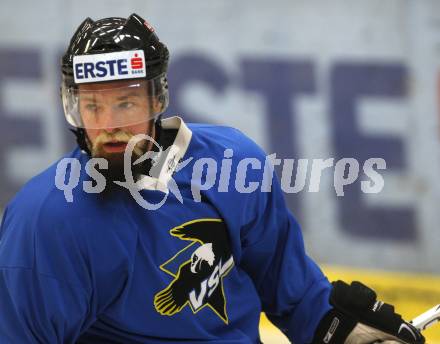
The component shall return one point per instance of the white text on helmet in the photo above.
(107, 67)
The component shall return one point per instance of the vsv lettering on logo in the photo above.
(198, 280)
(107, 67)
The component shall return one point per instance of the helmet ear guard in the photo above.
(81, 139)
(162, 99)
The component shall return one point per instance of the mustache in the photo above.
(119, 136)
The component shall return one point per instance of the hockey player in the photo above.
(102, 269)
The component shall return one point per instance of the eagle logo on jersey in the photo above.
(198, 281)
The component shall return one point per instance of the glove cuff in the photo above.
(334, 328)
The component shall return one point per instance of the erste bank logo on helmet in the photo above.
(110, 66)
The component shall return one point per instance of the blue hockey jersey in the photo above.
(198, 269)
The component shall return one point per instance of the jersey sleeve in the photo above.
(37, 303)
(39, 309)
(293, 290)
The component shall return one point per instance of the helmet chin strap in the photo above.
(81, 140)
(84, 143)
(157, 129)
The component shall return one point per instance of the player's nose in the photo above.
(109, 120)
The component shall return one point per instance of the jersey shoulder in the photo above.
(33, 219)
(42, 230)
(40, 207)
(42, 188)
(219, 138)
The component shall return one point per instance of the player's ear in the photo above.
(160, 103)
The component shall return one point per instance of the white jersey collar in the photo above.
(174, 154)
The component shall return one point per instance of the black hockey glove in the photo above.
(359, 318)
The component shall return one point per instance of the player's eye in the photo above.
(92, 107)
(126, 105)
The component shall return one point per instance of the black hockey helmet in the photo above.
(114, 49)
(116, 34)
(93, 45)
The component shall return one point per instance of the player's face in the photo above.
(108, 106)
